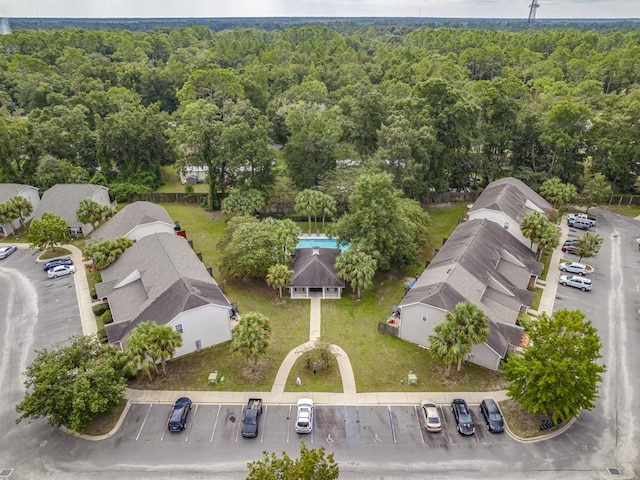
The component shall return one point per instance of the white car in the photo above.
(304, 419)
(61, 271)
(430, 416)
(574, 267)
(577, 282)
(6, 251)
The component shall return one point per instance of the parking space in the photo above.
(219, 425)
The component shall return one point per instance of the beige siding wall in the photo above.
(413, 328)
(482, 355)
(142, 231)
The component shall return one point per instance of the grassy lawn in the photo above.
(325, 380)
(522, 423)
(444, 220)
(172, 184)
(627, 211)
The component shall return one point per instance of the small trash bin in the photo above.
(213, 377)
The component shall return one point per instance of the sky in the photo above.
(319, 8)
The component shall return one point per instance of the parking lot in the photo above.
(333, 425)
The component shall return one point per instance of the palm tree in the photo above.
(357, 269)
(308, 203)
(137, 351)
(89, 211)
(548, 240)
(251, 337)
(279, 275)
(165, 340)
(327, 206)
(472, 324)
(22, 207)
(446, 345)
(5, 216)
(532, 227)
(558, 193)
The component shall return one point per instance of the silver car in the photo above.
(577, 282)
(7, 250)
(574, 267)
(430, 416)
(61, 271)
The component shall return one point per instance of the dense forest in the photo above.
(436, 108)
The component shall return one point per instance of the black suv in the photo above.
(55, 263)
(179, 414)
(462, 414)
(492, 415)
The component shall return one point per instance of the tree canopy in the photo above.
(314, 464)
(69, 385)
(559, 372)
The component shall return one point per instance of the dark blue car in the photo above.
(179, 413)
(56, 262)
(461, 412)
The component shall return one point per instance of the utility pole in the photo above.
(532, 13)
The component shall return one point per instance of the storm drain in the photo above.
(614, 471)
(6, 472)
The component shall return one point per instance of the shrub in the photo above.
(99, 309)
(102, 335)
(106, 317)
(94, 295)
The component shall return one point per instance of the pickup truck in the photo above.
(251, 418)
(572, 217)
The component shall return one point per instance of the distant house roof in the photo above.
(512, 197)
(475, 265)
(63, 200)
(8, 190)
(156, 279)
(134, 214)
(314, 267)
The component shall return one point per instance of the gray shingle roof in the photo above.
(315, 270)
(134, 214)
(511, 196)
(155, 279)
(8, 190)
(468, 269)
(63, 200)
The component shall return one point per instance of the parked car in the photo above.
(580, 223)
(571, 248)
(57, 262)
(61, 271)
(430, 416)
(577, 282)
(571, 241)
(304, 419)
(179, 414)
(574, 267)
(7, 250)
(461, 412)
(493, 417)
(583, 217)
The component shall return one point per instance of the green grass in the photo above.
(627, 211)
(325, 380)
(537, 296)
(172, 184)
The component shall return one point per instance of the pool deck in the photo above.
(314, 235)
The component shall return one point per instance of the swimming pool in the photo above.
(320, 242)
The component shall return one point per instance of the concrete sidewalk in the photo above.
(320, 398)
(553, 275)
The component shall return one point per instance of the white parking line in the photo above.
(266, 407)
(240, 423)
(419, 422)
(216, 422)
(393, 430)
(289, 422)
(191, 423)
(144, 421)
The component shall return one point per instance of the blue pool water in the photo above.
(320, 242)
